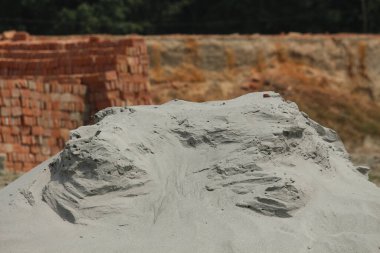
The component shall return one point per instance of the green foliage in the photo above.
(189, 16)
(106, 16)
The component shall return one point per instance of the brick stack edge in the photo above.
(49, 86)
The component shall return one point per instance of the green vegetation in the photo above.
(7, 177)
(189, 16)
(374, 178)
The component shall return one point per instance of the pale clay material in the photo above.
(252, 174)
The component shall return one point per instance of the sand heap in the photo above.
(253, 174)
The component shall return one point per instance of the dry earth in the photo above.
(333, 78)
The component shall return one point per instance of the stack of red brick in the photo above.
(36, 118)
(49, 86)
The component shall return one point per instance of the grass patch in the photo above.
(6, 177)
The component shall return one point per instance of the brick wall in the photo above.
(51, 85)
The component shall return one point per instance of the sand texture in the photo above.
(252, 174)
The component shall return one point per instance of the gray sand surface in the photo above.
(252, 174)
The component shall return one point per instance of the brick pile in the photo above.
(51, 85)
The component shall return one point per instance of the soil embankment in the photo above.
(335, 79)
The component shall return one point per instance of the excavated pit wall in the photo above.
(334, 78)
(351, 61)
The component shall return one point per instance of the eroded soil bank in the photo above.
(333, 78)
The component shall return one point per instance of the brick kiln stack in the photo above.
(49, 85)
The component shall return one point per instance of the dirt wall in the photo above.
(350, 62)
(333, 78)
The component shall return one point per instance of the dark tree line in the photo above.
(190, 16)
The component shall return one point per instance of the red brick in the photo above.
(39, 111)
(35, 149)
(18, 166)
(15, 93)
(29, 121)
(16, 111)
(37, 130)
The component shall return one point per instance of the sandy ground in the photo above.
(252, 174)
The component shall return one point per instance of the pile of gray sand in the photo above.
(252, 174)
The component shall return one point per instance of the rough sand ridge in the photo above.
(252, 174)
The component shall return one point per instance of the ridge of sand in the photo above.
(252, 174)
